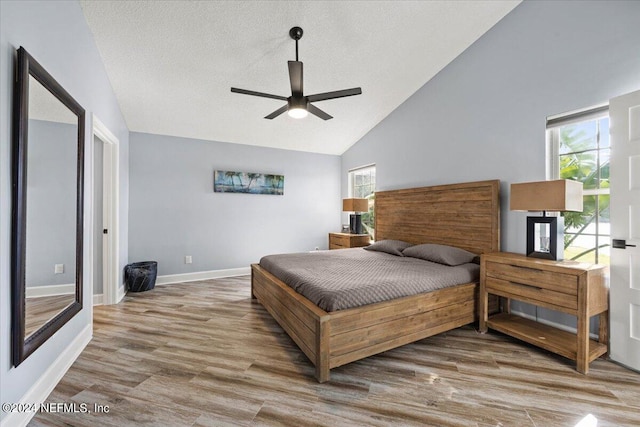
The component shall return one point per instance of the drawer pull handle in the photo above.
(528, 286)
(527, 268)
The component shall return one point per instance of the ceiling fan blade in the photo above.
(254, 93)
(277, 112)
(335, 94)
(318, 112)
(295, 77)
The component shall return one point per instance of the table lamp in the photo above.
(355, 219)
(545, 234)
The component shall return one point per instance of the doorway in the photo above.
(105, 250)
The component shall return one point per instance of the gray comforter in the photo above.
(347, 278)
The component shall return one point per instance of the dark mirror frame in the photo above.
(27, 66)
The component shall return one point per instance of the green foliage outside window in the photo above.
(584, 156)
(368, 218)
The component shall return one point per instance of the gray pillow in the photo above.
(442, 254)
(393, 247)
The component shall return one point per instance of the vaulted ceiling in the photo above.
(172, 63)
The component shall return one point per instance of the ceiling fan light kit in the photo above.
(298, 105)
(297, 113)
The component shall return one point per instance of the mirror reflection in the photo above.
(50, 258)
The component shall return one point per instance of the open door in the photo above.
(624, 115)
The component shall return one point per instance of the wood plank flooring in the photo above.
(205, 354)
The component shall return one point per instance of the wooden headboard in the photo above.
(464, 215)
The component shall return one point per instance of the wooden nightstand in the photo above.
(566, 286)
(347, 240)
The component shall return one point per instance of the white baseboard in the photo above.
(554, 324)
(202, 275)
(98, 299)
(51, 290)
(39, 392)
(120, 293)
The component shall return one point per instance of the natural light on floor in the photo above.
(588, 421)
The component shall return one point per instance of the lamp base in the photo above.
(545, 237)
(355, 223)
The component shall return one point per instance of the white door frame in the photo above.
(111, 288)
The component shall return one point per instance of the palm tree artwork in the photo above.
(247, 182)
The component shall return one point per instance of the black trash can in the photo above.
(141, 276)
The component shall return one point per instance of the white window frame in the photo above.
(554, 123)
(351, 177)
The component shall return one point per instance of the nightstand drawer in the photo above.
(347, 240)
(338, 240)
(564, 283)
(533, 294)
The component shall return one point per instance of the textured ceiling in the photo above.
(172, 63)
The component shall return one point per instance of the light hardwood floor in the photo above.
(205, 354)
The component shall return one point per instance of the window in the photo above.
(362, 184)
(580, 150)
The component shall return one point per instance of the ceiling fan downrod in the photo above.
(296, 34)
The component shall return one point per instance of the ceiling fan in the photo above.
(298, 105)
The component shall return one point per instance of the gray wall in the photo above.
(57, 35)
(175, 212)
(484, 115)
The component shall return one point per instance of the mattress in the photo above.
(347, 278)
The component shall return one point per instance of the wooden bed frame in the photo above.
(462, 215)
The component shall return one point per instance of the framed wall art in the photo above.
(248, 182)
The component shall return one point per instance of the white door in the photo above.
(624, 115)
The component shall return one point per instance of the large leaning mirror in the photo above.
(47, 207)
